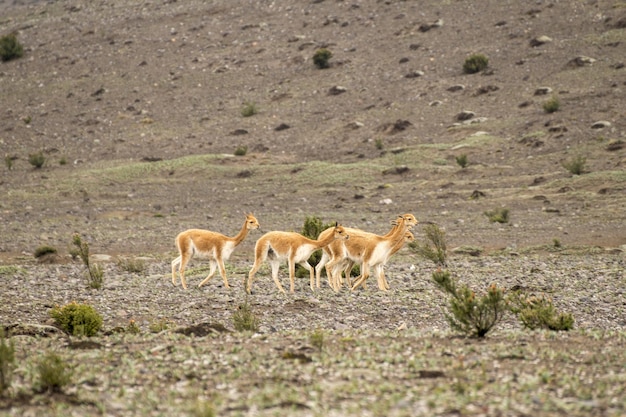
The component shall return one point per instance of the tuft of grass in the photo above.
(204, 409)
(8, 161)
(37, 159)
(499, 215)
(576, 165)
(552, 105)
(475, 63)
(159, 326)
(95, 274)
(468, 313)
(379, 144)
(435, 248)
(54, 374)
(44, 250)
(321, 58)
(244, 318)
(241, 150)
(10, 48)
(462, 161)
(7, 362)
(249, 109)
(132, 327)
(77, 319)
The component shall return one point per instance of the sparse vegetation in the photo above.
(321, 58)
(475, 63)
(53, 373)
(77, 319)
(7, 362)
(95, 274)
(551, 105)
(316, 338)
(379, 144)
(499, 215)
(10, 48)
(244, 318)
(37, 159)
(132, 265)
(249, 109)
(461, 160)
(132, 327)
(159, 326)
(468, 313)
(434, 248)
(8, 161)
(576, 165)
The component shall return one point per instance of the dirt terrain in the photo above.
(137, 108)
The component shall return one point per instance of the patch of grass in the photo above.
(8, 161)
(379, 144)
(499, 215)
(249, 109)
(468, 313)
(552, 105)
(54, 374)
(37, 159)
(95, 274)
(244, 318)
(576, 165)
(159, 326)
(316, 338)
(10, 48)
(77, 319)
(204, 409)
(475, 63)
(44, 250)
(435, 248)
(132, 327)
(10, 270)
(321, 58)
(7, 362)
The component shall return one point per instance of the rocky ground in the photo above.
(137, 110)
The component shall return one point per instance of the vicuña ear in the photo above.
(336, 224)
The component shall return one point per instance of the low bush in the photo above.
(576, 166)
(321, 58)
(77, 319)
(539, 313)
(475, 63)
(95, 274)
(10, 48)
(312, 228)
(499, 215)
(552, 105)
(241, 150)
(44, 250)
(249, 109)
(37, 159)
(468, 313)
(462, 161)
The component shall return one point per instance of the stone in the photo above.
(540, 40)
(601, 124)
(465, 115)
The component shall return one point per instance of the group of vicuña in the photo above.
(342, 248)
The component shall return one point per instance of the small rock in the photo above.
(336, 90)
(456, 87)
(386, 201)
(580, 61)
(601, 124)
(542, 91)
(465, 115)
(414, 74)
(540, 40)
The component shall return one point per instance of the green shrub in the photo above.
(8, 161)
(244, 318)
(95, 274)
(54, 374)
(37, 159)
(7, 362)
(321, 58)
(204, 409)
(249, 109)
(316, 338)
(241, 150)
(435, 248)
(499, 215)
(379, 144)
(461, 160)
(468, 313)
(159, 326)
(44, 250)
(10, 48)
(63, 161)
(539, 313)
(576, 165)
(132, 327)
(475, 63)
(552, 105)
(77, 319)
